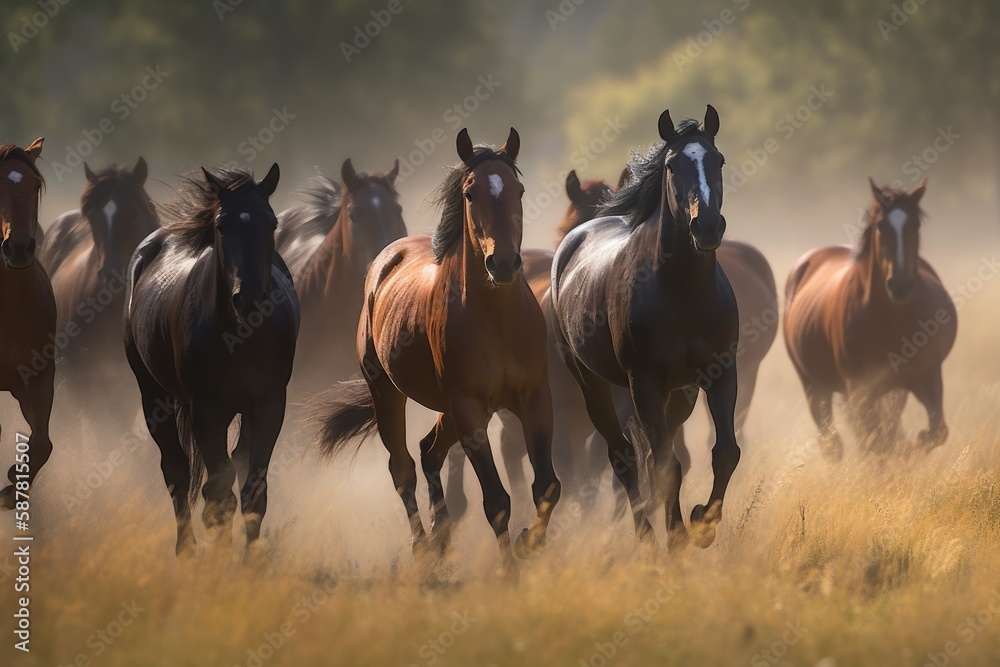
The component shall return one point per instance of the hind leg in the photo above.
(929, 390)
(434, 448)
(35, 400)
(264, 424)
(210, 428)
(390, 411)
(821, 408)
(455, 497)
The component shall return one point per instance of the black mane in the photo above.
(322, 198)
(449, 197)
(192, 215)
(641, 196)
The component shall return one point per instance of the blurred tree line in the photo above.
(374, 79)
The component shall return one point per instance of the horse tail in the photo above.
(350, 415)
(196, 462)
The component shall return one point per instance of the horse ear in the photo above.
(464, 145)
(711, 121)
(217, 186)
(88, 172)
(666, 126)
(573, 190)
(918, 192)
(391, 176)
(270, 182)
(348, 174)
(141, 171)
(625, 177)
(513, 144)
(35, 149)
(877, 193)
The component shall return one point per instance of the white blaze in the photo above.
(496, 185)
(897, 219)
(15, 176)
(109, 213)
(696, 152)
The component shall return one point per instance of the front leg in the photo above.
(264, 424)
(725, 454)
(536, 419)
(35, 400)
(929, 390)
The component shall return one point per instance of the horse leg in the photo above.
(512, 450)
(264, 425)
(35, 400)
(725, 454)
(929, 390)
(434, 448)
(159, 409)
(241, 454)
(210, 431)
(470, 426)
(455, 496)
(821, 407)
(390, 410)
(748, 382)
(621, 453)
(680, 405)
(536, 419)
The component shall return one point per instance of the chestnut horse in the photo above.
(640, 301)
(86, 252)
(852, 317)
(210, 329)
(451, 323)
(328, 242)
(27, 315)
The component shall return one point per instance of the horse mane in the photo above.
(15, 152)
(107, 179)
(641, 196)
(449, 197)
(866, 239)
(191, 217)
(322, 198)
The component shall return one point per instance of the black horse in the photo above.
(640, 301)
(211, 320)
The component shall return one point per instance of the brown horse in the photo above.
(872, 323)
(450, 322)
(27, 316)
(86, 252)
(328, 242)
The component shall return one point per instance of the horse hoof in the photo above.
(7, 498)
(678, 540)
(527, 546)
(703, 524)
(928, 439)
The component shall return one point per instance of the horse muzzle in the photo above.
(17, 256)
(504, 272)
(707, 235)
(899, 289)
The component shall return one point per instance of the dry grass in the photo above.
(870, 562)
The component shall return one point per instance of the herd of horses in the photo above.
(593, 355)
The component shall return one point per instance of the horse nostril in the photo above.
(238, 302)
(491, 264)
(516, 264)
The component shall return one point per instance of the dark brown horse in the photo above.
(640, 301)
(86, 252)
(450, 322)
(210, 328)
(328, 242)
(872, 323)
(27, 316)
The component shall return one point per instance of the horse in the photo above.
(210, 326)
(28, 316)
(581, 470)
(328, 242)
(86, 252)
(450, 322)
(851, 319)
(639, 300)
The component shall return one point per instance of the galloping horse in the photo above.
(640, 300)
(328, 242)
(850, 315)
(210, 329)
(86, 252)
(450, 322)
(27, 314)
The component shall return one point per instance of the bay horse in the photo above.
(86, 252)
(450, 322)
(210, 327)
(640, 301)
(27, 315)
(328, 242)
(852, 318)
